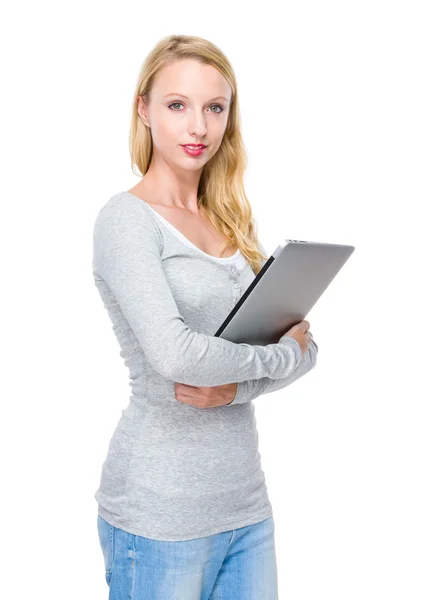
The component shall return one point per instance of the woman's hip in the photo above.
(238, 564)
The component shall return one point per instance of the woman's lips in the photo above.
(192, 152)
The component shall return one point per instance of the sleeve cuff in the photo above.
(240, 397)
(244, 388)
(290, 341)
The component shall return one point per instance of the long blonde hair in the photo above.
(221, 193)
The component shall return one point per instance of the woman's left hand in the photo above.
(206, 397)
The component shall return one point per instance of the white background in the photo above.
(337, 102)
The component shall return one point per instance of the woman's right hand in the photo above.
(300, 333)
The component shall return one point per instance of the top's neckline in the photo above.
(182, 237)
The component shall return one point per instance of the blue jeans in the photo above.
(238, 564)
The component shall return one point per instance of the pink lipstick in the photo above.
(194, 149)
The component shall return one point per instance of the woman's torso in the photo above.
(174, 471)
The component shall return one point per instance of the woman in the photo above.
(183, 509)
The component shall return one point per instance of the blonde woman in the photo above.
(183, 509)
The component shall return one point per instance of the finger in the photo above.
(186, 399)
(184, 396)
(189, 397)
(183, 388)
(187, 387)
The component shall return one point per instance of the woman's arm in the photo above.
(127, 256)
(251, 389)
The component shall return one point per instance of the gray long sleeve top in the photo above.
(173, 471)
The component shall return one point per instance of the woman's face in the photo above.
(189, 104)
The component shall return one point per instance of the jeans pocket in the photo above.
(106, 534)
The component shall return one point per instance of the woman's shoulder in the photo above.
(124, 201)
(126, 213)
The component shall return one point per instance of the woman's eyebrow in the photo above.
(187, 97)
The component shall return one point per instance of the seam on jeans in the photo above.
(232, 536)
(112, 547)
(133, 565)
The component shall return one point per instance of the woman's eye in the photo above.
(213, 105)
